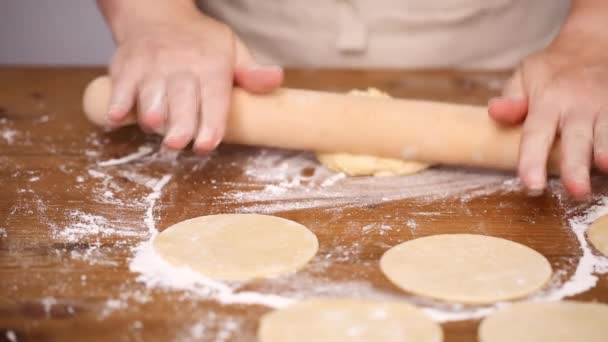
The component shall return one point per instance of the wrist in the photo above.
(127, 17)
(584, 26)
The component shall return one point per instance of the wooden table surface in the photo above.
(68, 224)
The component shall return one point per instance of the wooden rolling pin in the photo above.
(440, 133)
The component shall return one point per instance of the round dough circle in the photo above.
(353, 320)
(547, 321)
(466, 268)
(598, 234)
(237, 246)
(363, 165)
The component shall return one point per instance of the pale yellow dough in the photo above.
(565, 321)
(353, 320)
(363, 165)
(237, 246)
(598, 234)
(466, 268)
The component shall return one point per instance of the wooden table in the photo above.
(68, 224)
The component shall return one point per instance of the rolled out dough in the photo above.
(565, 321)
(331, 320)
(237, 246)
(466, 268)
(598, 234)
(363, 165)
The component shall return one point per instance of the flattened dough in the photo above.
(332, 320)
(362, 165)
(565, 321)
(598, 234)
(465, 268)
(237, 246)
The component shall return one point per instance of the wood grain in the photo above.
(49, 291)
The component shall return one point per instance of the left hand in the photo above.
(562, 92)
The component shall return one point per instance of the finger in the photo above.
(152, 104)
(252, 76)
(510, 108)
(538, 135)
(576, 150)
(600, 138)
(183, 97)
(215, 102)
(514, 89)
(122, 100)
(508, 111)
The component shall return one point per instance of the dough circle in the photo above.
(598, 234)
(237, 246)
(465, 268)
(565, 321)
(363, 165)
(335, 319)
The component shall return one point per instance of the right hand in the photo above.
(179, 66)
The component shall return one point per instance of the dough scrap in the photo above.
(237, 246)
(466, 268)
(337, 319)
(364, 165)
(598, 234)
(565, 321)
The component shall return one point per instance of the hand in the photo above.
(179, 66)
(561, 91)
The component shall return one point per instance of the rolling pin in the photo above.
(438, 133)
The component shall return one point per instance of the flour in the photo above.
(47, 305)
(93, 227)
(294, 181)
(141, 151)
(11, 336)
(589, 264)
(275, 181)
(8, 135)
(3, 233)
(222, 328)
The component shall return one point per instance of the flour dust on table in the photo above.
(272, 181)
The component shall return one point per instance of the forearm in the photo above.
(123, 15)
(586, 20)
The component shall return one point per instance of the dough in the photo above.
(237, 246)
(353, 320)
(547, 321)
(598, 234)
(466, 268)
(363, 165)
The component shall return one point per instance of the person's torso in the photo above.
(392, 33)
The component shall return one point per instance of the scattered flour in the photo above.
(294, 180)
(85, 225)
(141, 152)
(47, 305)
(3, 233)
(289, 181)
(8, 135)
(11, 336)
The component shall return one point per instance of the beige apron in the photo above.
(392, 33)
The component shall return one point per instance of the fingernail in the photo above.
(535, 184)
(115, 113)
(205, 140)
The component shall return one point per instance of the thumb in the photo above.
(254, 77)
(512, 107)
